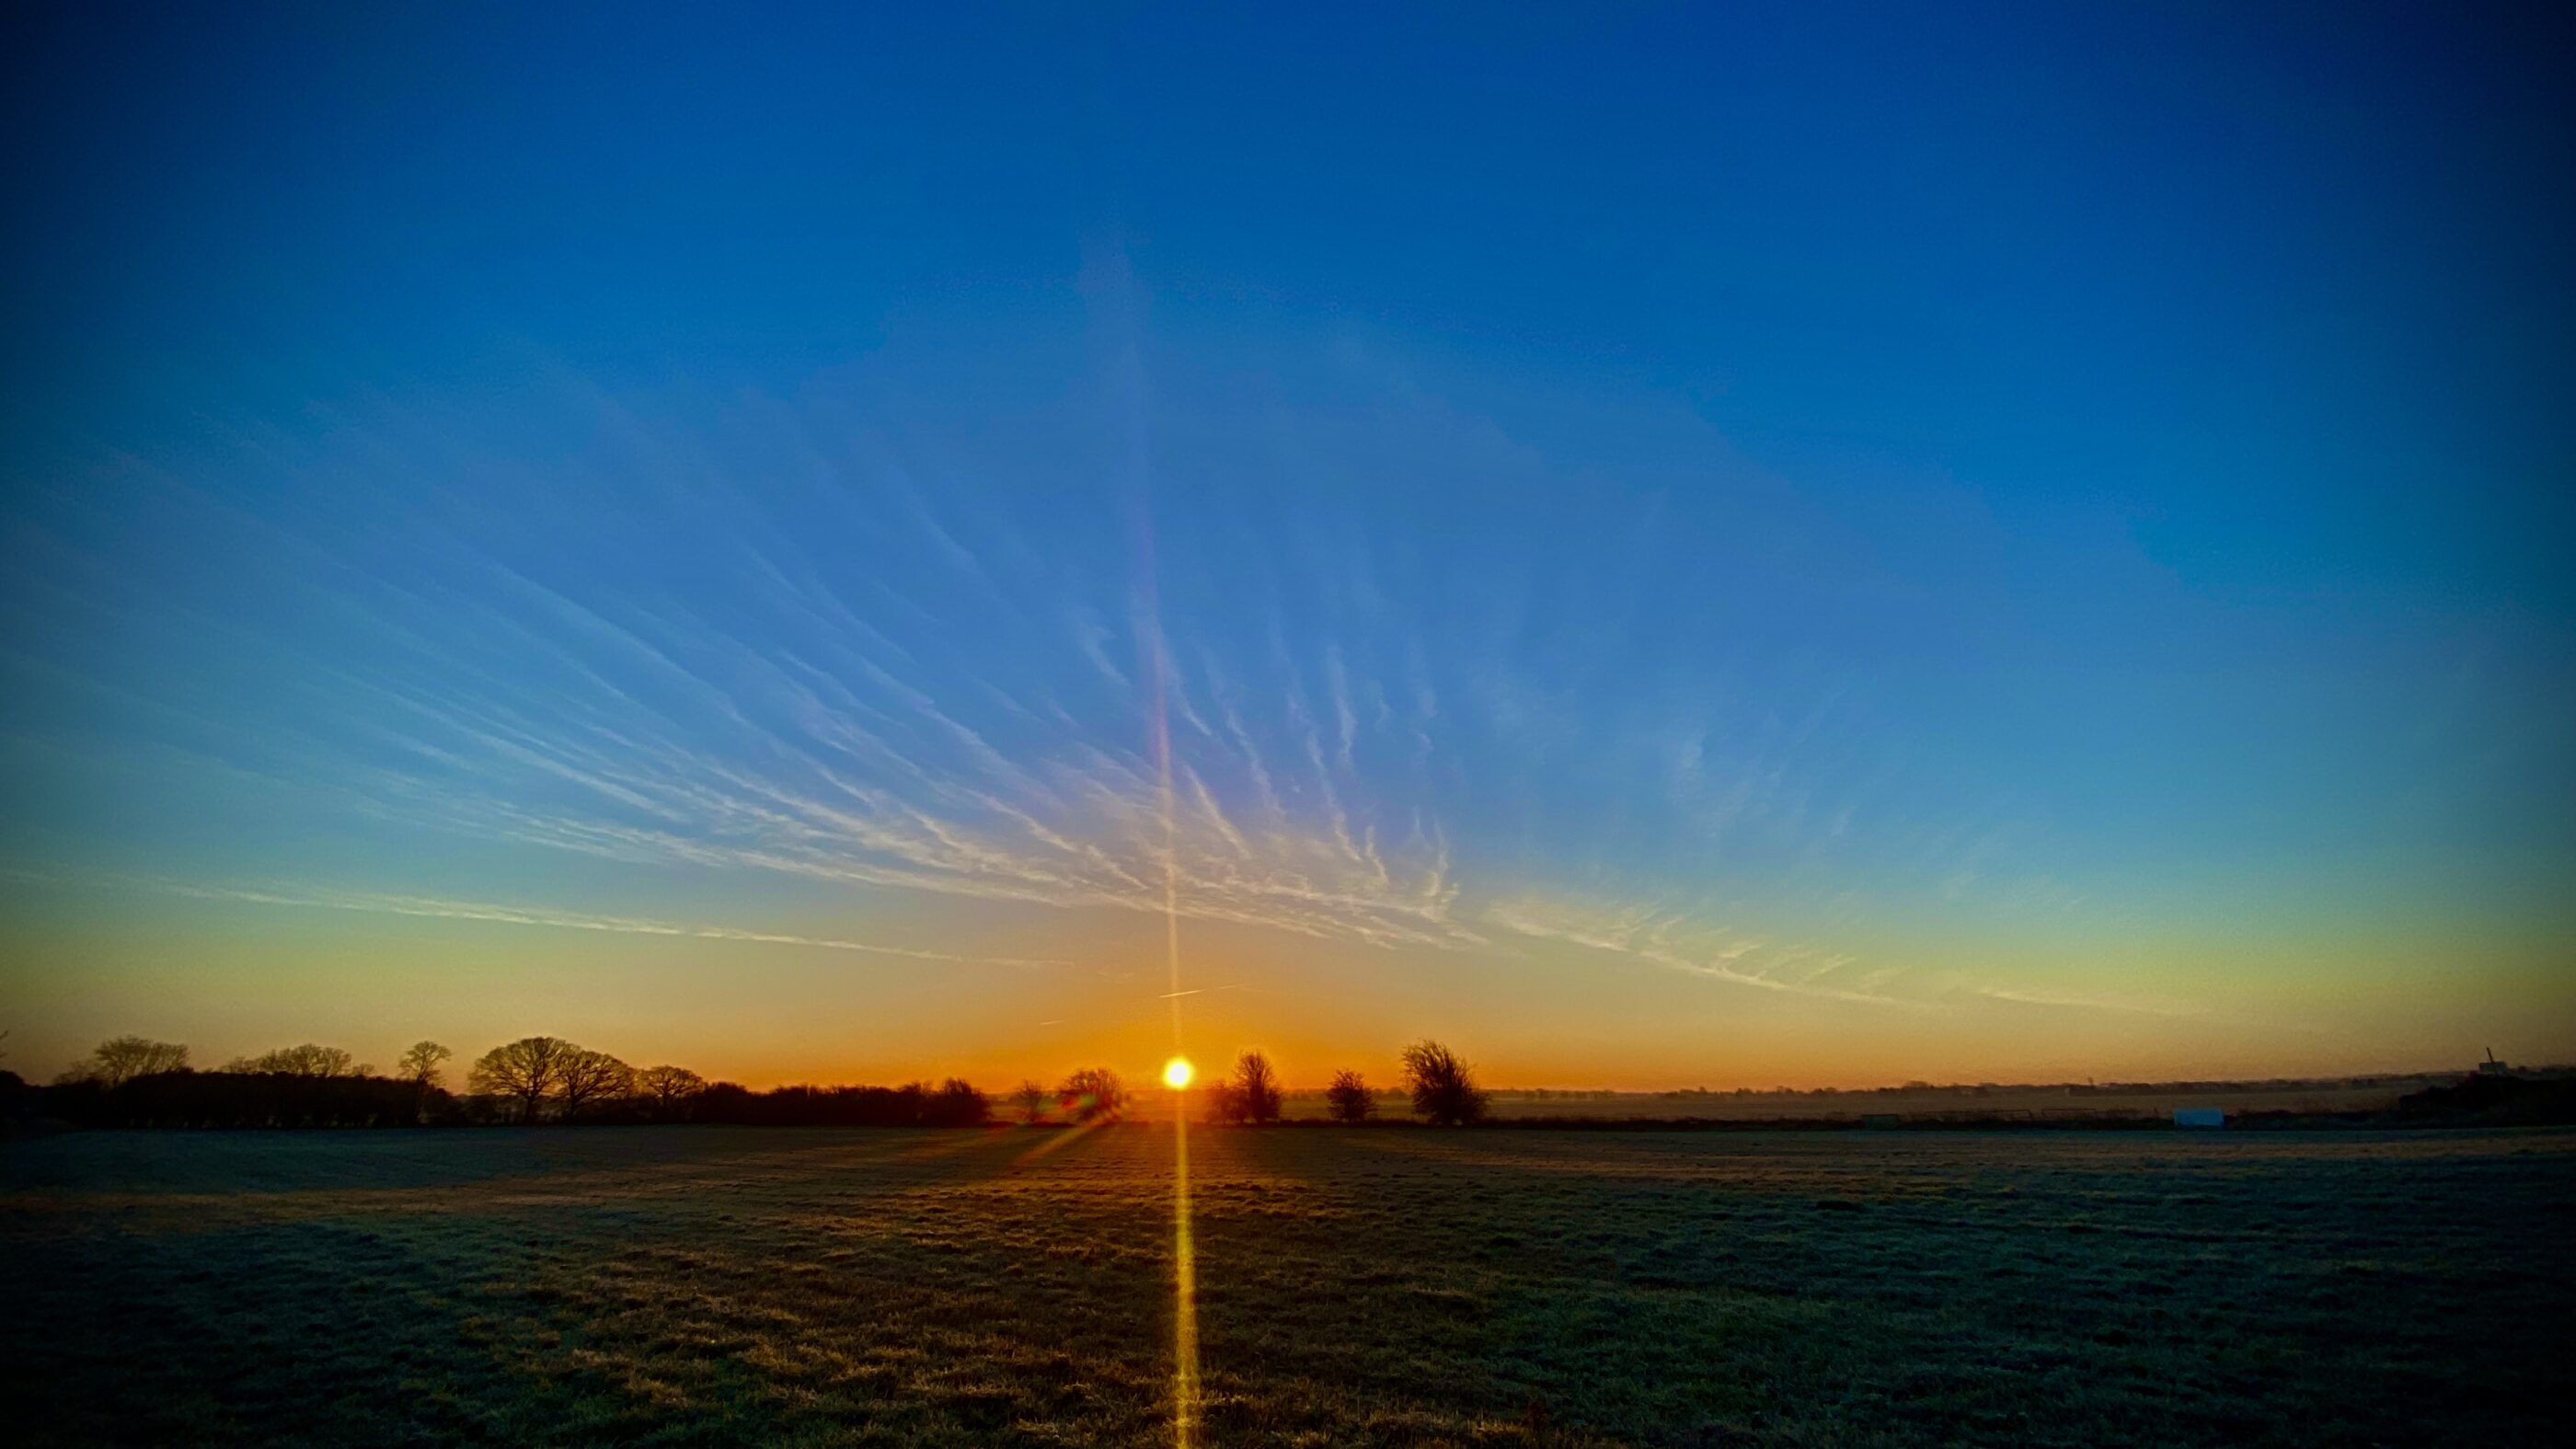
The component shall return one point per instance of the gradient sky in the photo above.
(1675, 547)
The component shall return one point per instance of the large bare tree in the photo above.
(669, 1087)
(529, 1071)
(1092, 1095)
(1445, 1093)
(1255, 1089)
(591, 1077)
(119, 1060)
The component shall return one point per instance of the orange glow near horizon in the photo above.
(2169, 1005)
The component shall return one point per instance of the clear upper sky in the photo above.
(1676, 546)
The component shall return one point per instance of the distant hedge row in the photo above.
(133, 1081)
(184, 1098)
(273, 1099)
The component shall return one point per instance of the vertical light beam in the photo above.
(1185, 1276)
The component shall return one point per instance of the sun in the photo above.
(1177, 1073)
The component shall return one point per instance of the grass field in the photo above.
(2004, 1101)
(719, 1286)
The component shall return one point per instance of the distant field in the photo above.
(739, 1286)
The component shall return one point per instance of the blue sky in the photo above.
(1729, 529)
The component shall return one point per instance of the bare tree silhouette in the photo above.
(1092, 1095)
(670, 1088)
(307, 1060)
(119, 1060)
(1444, 1088)
(529, 1071)
(423, 1064)
(590, 1077)
(1255, 1089)
(1033, 1101)
(1350, 1099)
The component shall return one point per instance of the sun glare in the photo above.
(1177, 1073)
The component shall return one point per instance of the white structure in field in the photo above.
(2200, 1116)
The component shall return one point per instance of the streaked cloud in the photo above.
(1676, 942)
(372, 903)
(846, 661)
(2065, 1002)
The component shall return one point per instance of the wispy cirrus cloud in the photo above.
(764, 726)
(769, 643)
(1676, 942)
(376, 903)
(2068, 1002)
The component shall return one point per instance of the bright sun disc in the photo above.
(1176, 1073)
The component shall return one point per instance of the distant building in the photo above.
(2491, 1067)
(2200, 1116)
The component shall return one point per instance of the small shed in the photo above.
(2200, 1116)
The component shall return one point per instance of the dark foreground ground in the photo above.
(723, 1286)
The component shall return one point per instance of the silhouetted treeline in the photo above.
(2494, 1100)
(279, 1099)
(952, 1103)
(137, 1082)
(134, 1081)
(242, 1099)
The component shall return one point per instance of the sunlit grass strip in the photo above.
(1057, 1140)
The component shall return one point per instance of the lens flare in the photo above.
(1176, 1072)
